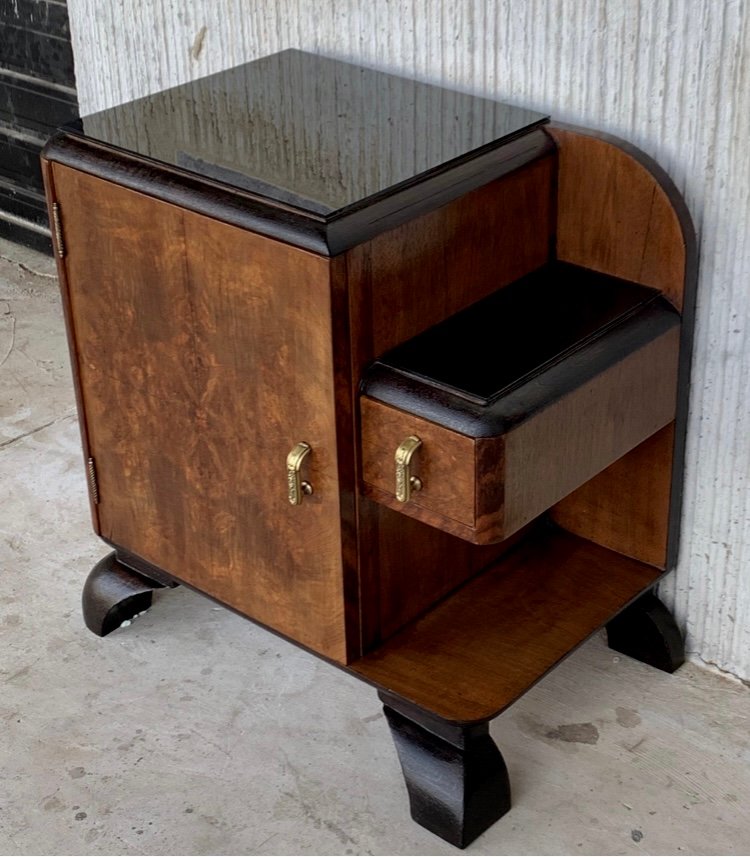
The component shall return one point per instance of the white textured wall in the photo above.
(671, 76)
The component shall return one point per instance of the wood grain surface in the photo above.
(400, 283)
(657, 73)
(205, 355)
(418, 274)
(563, 446)
(614, 216)
(445, 463)
(411, 567)
(627, 506)
(51, 197)
(477, 652)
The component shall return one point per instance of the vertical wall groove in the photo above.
(672, 77)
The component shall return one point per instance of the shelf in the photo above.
(476, 653)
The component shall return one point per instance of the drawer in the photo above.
(444, 464)
(506, 408)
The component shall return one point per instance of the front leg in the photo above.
(114, 594)
(455, 775)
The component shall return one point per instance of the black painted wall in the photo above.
(37, 93)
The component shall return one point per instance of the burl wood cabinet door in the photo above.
(204, 355)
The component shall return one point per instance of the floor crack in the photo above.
(27, 269)
(12, 336)
(13, 440)
(715, 666)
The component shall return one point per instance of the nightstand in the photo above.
(398, 372)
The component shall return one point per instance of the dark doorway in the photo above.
(37, 93)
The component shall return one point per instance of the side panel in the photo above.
(614, 215)
(619, 213)
(205, 354)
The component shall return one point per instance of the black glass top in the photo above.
(494, 346)
(311, 132)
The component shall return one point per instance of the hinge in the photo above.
(57, 224)
(93, 481)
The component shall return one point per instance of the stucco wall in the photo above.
(671, 76)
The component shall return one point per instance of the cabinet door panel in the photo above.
(204, 354)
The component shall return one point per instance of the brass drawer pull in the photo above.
(296, 488)
(405, 482)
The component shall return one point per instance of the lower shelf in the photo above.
(476, 653)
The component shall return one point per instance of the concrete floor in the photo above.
(195, 732)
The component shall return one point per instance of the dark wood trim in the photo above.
(647, 631)
(450, 710)
(171, 580)
(345, 455)
(456, 777)
(386, 384)
(185, 190)
(139, 565)
(114, 594)
(326, 236)
(422, 195)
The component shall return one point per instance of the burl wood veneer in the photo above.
(234, 347)
(273, 278)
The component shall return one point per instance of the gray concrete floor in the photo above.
(195, 732)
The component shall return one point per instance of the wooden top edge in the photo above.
(204, 196)
(324, 235)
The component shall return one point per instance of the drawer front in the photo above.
(444, 464)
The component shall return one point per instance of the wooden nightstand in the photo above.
(397, 372)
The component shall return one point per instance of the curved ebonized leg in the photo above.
(647, 631)
(455, 775)
(113, 594)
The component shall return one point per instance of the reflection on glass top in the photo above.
(311, 132)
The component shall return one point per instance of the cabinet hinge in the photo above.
(93, 481)
(57, 225)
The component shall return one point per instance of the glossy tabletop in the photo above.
(314, 133)
(499, 343)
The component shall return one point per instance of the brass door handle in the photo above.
(405, 481)
(296, 488)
